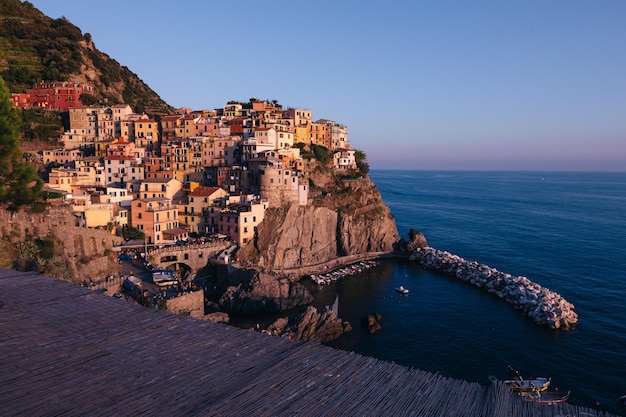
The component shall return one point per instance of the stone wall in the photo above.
(88, 251)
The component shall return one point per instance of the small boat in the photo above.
(528, 385)
(545, 397)
(402, 290)
(164, 278)
(134, 280)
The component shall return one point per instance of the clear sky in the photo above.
(440, 84)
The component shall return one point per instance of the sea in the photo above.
(563, 230)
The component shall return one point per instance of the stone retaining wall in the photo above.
(543, 306)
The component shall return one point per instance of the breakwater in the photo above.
(543, 306)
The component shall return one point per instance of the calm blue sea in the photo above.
(563, 230)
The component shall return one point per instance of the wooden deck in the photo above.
(70, 351)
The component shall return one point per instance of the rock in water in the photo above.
(371, 322)
(311, 325)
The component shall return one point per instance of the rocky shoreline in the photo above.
(543, 306)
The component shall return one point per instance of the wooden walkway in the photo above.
(70, 351)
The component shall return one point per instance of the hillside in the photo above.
(35, 47)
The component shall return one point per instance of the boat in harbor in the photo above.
(521, 384)
(337, 274)
(528, 385)
(402, 290)
(164, 277)
(545, 397)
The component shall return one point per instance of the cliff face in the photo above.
(342, 218)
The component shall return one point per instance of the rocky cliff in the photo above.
(250, 292)
(343, 217)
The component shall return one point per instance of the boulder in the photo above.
(216, 317)
(264, 293)
(371, 322)
(417, 240)
(309, 325)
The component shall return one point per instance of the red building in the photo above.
(58, 95)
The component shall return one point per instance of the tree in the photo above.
(131, 233)
(88, 99)
(19, 183)
(321, 153)
(360, 158)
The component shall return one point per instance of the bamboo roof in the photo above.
(71, 351)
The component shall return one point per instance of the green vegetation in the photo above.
(363, 166)
(19, 183)
(89, 100)
(39, 255)
(41, 125)
(51, 195)
(322, 154)
(36, 48)
(132, 233)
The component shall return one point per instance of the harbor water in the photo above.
(563, 230)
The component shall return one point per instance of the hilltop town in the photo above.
(192, 173)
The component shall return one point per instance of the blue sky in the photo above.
(523, 85)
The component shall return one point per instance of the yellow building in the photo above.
(301, 134)
(99, 214)
(70, 180)
(160, 188)
(200, 210)
(184, 158)
(102, 147)
(146, 133)
(318, 134)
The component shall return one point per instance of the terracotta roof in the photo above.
(119, 158)
(204, 191)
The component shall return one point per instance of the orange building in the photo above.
(157, 218)
(318, 134)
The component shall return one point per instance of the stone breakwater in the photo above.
(543, 306)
